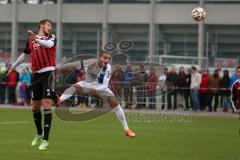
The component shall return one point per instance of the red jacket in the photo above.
(152, 81)
(13, 79)
(117, 81)
(235, 99)
(204, 84)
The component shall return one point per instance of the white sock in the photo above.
(121, 116)
(68, 93)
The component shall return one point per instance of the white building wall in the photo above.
(124, 13)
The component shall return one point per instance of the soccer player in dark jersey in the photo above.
(41, 47)
(235, 97)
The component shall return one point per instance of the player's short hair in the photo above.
(43, 21)
(238, 67)
(103, 52)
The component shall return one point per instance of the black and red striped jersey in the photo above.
(236, 94)
(41, 56)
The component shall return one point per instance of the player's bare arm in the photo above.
(72, 65)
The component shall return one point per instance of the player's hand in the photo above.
(9, 71)
(56, 69)
(92, 91)
(32, 36)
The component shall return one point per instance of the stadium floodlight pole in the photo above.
(200, 37)
(14, 41)
(98, 41)
(59, 30)
(207, 48)
(152, 29)
(105, 23)
(74, 44)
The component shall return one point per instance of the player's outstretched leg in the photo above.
(121, 116)
(68, 93)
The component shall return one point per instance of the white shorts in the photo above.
(101, 93)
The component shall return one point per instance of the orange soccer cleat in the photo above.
(130, 133)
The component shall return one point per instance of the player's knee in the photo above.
(46, 103)
(36, 105)
(34, 109)
(113, 101)
(78, 88)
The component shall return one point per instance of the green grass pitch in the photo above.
(205, 138)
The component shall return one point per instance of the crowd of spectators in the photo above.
(189, 88)
(137, 88)
(9, 84)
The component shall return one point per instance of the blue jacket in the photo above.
(233, 79)
(25, 78)
(127, 76)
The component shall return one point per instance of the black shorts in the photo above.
(41, 86)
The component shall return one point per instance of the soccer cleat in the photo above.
(43, 145)
(36, 140)
(130, 133)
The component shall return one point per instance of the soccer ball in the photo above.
(198, 14)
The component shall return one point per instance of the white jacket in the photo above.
(196, 79)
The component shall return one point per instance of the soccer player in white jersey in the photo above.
(96, 81)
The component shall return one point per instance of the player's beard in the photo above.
(46, 33)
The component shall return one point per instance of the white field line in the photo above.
(13, 122)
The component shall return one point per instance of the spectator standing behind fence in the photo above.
(182, 96)
(194, 87)
(162, 80)
(82, 100)
(235, 92)
(25, 81)
(188, 99)
(225, 90)
(213, 85)
(136, 82)
(204, 91)
(142, 88)
(117, 82)
(3, 84)
(173, 79)
(71, 78)
(152, 81)
(28, 90)
(128, 92)
(233, 78)
(13, 78)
